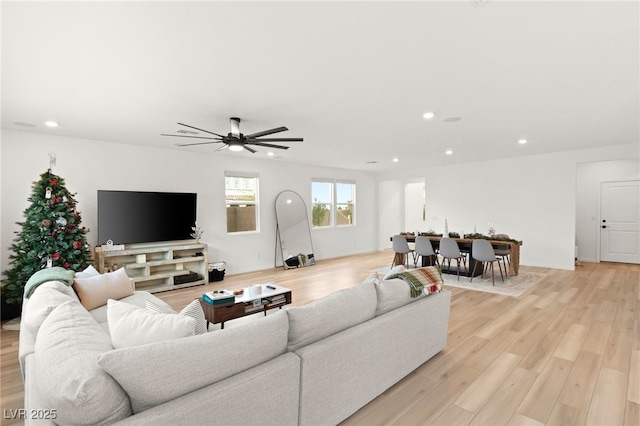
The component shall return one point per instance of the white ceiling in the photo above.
(352, 78)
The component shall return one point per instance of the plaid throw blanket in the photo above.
(422, 280)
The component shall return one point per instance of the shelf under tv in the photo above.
(153, 268)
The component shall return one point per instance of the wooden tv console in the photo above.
(156, 267)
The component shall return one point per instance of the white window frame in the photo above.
(256, 202)
(353, 202)
(333, 205)
(330, 204)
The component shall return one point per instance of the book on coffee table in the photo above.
(218, 297)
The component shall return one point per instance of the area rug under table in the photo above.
(512, 286)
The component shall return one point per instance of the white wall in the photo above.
(589, 179)
(529, 198)
(413, 204)
(89, 165)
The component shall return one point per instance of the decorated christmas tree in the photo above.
(51, 235)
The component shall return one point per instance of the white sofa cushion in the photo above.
(138, 298)
(130, 325)
(67, 374)
(45, 298)
(192, 310)
(331, 314)
(95, 291)
(88, 272)
(156, 373)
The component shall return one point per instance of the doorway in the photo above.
(620, 221)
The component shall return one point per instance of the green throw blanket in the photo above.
(48, 274)
(422, 280)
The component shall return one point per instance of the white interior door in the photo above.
(619, 222)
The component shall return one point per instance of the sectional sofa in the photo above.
(315, 364)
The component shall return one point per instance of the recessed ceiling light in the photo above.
(395, 160)
(51, 124)
(452, 119)
(522, 141)
(270, 154)
(428, 115)
(448, 152)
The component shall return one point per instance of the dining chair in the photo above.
(503, 252)
(449, 250)
(402, 250)
(424, 248)
(482, 251)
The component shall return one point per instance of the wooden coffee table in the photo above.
(271, 296)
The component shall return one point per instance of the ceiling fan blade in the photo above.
(267, 145)
(197, 143)
(225, 146)
(202, 130)
(278, 140)
(253, 151)
(266, 132)
(187, 136)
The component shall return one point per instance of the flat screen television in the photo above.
(127, 217)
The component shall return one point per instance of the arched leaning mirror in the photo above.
(293, 233)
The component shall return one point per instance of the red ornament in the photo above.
(77, 245)
(53, 182)
(67, 265)
(56, 256)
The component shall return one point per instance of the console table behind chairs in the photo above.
(465, 243)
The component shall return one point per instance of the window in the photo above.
(345, 201)
(333, 203)
(241, 197)
(322, 195)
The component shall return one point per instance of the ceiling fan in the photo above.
(235, 140)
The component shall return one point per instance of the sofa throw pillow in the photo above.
(164, 371)
(130, 325)
(330, 314)
(427, 280)
(87, 272)
(192, 310)
(95, 291)
(394, 271)
(67, 374)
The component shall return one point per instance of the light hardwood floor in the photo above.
(566, 352)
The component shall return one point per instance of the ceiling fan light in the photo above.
(235, 147)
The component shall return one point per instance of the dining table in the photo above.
(466, 244)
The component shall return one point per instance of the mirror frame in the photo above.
(303, 259)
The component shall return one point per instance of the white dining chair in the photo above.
(449, 249)
(401, 247)
(423, 249)
(482, 251)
